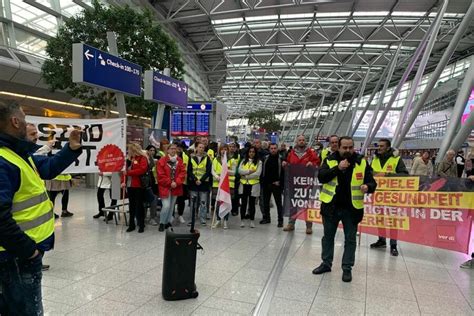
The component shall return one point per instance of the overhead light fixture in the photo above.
(76, 105)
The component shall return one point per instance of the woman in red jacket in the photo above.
(137, 166)
(171, 173)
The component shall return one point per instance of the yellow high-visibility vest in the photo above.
(185, 163)
(217, 167)
(32, 209)
(329, 189)
(63, 177)
(389, 167)
(234, 164)
(210, 153)
(199, 170)
(324, 154)
(250, 166)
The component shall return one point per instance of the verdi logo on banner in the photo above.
(105, 136)
(428, 211)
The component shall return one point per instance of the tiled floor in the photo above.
(99, 269)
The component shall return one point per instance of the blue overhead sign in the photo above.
(199, 106)
(161, 88)
(97, 68)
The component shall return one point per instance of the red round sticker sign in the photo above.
(110, 159)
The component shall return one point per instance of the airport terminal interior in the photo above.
(309, 87)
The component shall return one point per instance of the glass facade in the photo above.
(26, 26)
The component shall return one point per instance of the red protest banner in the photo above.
(427, 211)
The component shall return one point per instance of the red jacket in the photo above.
(164, 177)
(138, 167)
(309, 156)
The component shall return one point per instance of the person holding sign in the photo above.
(306, 156)
(343, 174)
(26, 213)
(386, 162)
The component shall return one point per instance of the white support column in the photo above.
(455, 119)
(359, 98)
(468, 17)
(433, 33)
(461, 136)
(381, 97)
(119, 97)
(317, 119)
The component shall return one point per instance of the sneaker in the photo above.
(45, 267)
(346, 275)
(309, 231)
(323, 268)
(153, 222)
(280, 224)
(66, 214)
(216, 224)
(394, 251)
(98, 215)
(378, 244)
(289, 228)
(265, 221)
(130, 229)
(161, 228)
(225, 225)
(141, 229)
(242, 224)
(181, 220)
(252, 224)
(203, 223)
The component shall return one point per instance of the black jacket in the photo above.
(401, 168)
(206, 180)
(268, 175)
(343, 189)
(15, 241)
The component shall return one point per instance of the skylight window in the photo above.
(371, 13)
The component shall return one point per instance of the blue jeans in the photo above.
(21, 286)
(167, 209)
(201, 198)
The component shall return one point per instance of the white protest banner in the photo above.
(98, 134)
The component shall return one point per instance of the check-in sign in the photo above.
(93, 67)
(161, 88)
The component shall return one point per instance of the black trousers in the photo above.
(136, 197)
(101, 200)
(247, 198)
(181, 201)
(330, 224)
(64, 198)
(268, 190)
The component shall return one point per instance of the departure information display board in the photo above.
(202, 123)
(190, 123)
(177, 123)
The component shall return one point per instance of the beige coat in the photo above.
(447, 169)
(420, 168)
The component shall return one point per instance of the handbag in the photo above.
(149, 195)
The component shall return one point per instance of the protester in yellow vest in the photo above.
(181, 200)
(26, 215)
(200, 181)
(343, 174)
(386, 162)
(216, 174)
(235, 161)
(250, 170)
(333, 147)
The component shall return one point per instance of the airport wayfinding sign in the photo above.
(161, 88)
(93, 67)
